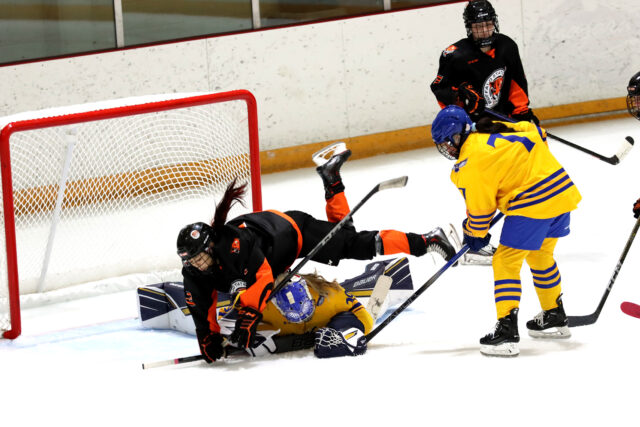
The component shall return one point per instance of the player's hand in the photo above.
(472, 101)
(211, 347)
(636, 209)
(475, 243)
(527, 116)
(246, 328)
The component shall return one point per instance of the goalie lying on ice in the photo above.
(308, 312)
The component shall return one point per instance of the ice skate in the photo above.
(437, 242)
(550, 323)
(482, 257)
(503, 341)
(329, 168)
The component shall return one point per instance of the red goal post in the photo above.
(77, 184)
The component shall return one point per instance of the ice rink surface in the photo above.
(79, 362)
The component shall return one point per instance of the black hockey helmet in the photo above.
(633, 96)
(193, 239)
(478, 11)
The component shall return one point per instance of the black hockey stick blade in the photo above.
(590, 319)
(613, 160)
(385, 185)
(424, 287)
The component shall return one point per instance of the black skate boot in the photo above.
(551, 323)
(503, 341)
(437, 241)
(329, 169)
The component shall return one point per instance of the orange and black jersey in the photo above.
(253, 249)
(497, 76)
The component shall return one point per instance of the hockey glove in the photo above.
(527, 116)
(475, 243)
(472, 101)
(636, 209)
(211, 347)
(246, 328)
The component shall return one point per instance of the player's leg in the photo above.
(503, 341)
(329, 160)
(552, 321)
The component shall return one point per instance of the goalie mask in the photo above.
(481, 22)
(633, 96)
(295, 301)
(194, 241)
(450, 129)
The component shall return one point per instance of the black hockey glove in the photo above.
(475, 243)
(246, 328)
(636, 209)
(472, 102)
(527, 116)
(211, 347)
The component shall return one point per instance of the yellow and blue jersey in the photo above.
(513, 172)
(336, 301)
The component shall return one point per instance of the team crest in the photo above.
(449, 50)
(492, 87)
(195, 234)
(235, 246)
(189, 299)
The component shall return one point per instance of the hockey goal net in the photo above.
(101, 190)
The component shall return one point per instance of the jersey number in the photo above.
(528, 144)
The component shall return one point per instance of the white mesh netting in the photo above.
(129, 184)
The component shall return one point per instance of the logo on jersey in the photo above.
(449, 50)
(189, 299)
(492, 87)
(457, 166)
(235, 246)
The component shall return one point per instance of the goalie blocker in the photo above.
(330, 333)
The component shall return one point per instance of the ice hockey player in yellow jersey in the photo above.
(509, 167)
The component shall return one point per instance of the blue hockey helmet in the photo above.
(450, 129)
(295, 301)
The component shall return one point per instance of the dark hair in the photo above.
(232, 195)
(486, 125)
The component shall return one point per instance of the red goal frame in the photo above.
(109, 113)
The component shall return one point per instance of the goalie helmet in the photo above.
(450, 129)
(193, 239)
(295, 301)
(478, 11)
(633, 96)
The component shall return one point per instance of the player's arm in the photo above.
(258, 278)
(443, 86)
(519, 88)
(203, 308)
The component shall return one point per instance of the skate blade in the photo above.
(560, 333)
(469, 258)
(476, 259)
(322, 156)
(508, 349)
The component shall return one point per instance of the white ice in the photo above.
(79, 362)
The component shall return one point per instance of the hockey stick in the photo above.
(385, 185)
(590, 319)
(613, 160)
(424, 287)
(631, 309)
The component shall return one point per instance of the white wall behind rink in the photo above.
(350, 77)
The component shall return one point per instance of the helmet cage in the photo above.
(633, 105)
(477, 12)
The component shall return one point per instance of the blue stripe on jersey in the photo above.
(543, 187)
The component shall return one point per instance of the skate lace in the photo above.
(539, 318)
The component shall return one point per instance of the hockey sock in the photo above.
(507, 263)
